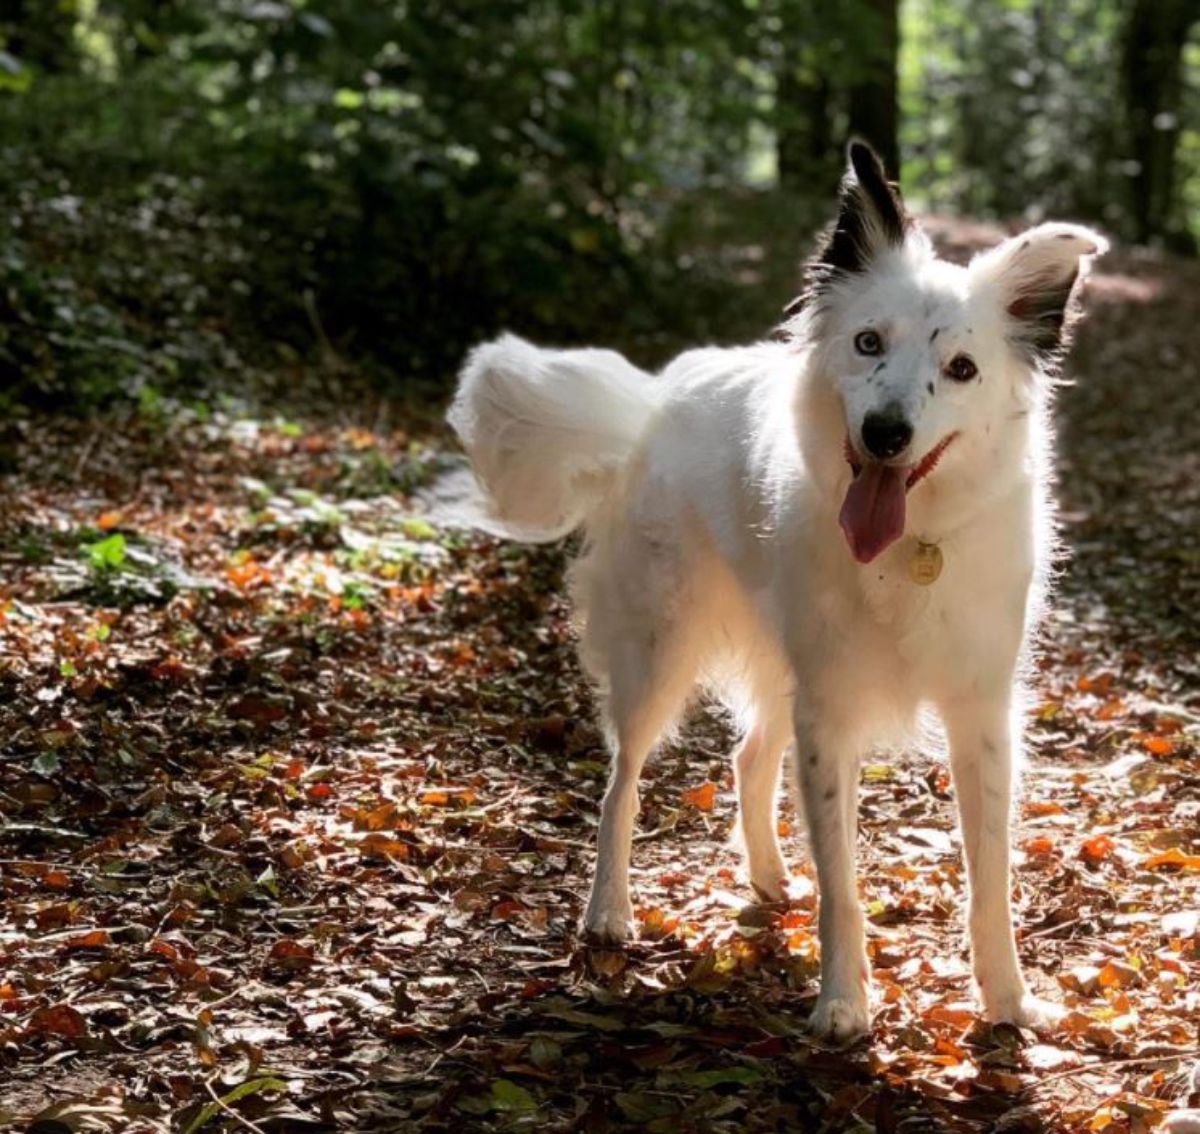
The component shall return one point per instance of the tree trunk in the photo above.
(874, 96)
(802, 128)
(806, 155)
(1152, 76)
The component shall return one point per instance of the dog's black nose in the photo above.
(885, 434)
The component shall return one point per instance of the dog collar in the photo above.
(926, 563)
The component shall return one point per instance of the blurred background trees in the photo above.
(197, 191)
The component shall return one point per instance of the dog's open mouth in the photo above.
(872, 515)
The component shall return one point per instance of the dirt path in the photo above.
(298, 789)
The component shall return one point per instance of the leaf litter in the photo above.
(299, 782)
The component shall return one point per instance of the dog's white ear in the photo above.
(871, 219)
(1035, 278)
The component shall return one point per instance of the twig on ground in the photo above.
(1103, 1064)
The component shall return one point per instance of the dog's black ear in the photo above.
(871, 219)
(1034, 278)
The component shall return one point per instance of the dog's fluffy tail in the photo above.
(547, 431)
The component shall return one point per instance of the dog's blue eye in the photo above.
(868, 342)
(961, 368)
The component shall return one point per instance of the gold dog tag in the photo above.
(926, 564)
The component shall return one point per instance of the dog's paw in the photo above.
(1182, 1122)
(608, 922)
(840, 1019)
(770, 887)
(1025, 1011)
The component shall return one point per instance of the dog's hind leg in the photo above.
(756, 765)
(651, 675)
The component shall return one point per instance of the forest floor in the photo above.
(299, 783)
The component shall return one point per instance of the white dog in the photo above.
(831, 532)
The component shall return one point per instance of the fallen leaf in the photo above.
(701, 798)
(59, 1020)
(1173, 858)
(1097, 848)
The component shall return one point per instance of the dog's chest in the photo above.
(943, 626)
(906, 588)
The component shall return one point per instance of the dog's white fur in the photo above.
(710, 496)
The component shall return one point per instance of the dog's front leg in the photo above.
(983, 740)
(828, 777)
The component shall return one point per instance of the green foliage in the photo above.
(202, 193)
(1014, 105)
(107, 554)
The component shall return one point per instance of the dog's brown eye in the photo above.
(961, 368)
(868, 342)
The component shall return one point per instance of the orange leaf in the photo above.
(244, 575)
(163, 949)
(375, 818)
(1110, 976)
(1038, 846)
(656, 922)
(108, 521)
(1036, 808)
(94, 939)
(1173, 857)
(950, 1050)
(1097, 849)
(291, 955)
(795, 919)
(803, 942)
(1158, 745)
(378, 845)
(956, 1013)
(59, 1020)
(1100, 684)
(702, 797)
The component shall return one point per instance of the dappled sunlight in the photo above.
(299, 773)
(354, 739)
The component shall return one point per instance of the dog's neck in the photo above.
(979, 471)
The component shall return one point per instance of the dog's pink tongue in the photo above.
(873, 512)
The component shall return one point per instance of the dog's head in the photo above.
(928, 362)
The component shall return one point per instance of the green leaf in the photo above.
(106, 554)
(545, 1053)
(721, 1076)
(416, 528)
(46, 763)
(268, 882)
(589, 1020)
(253, 1087)
(638, 1107)
(510, 1096)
